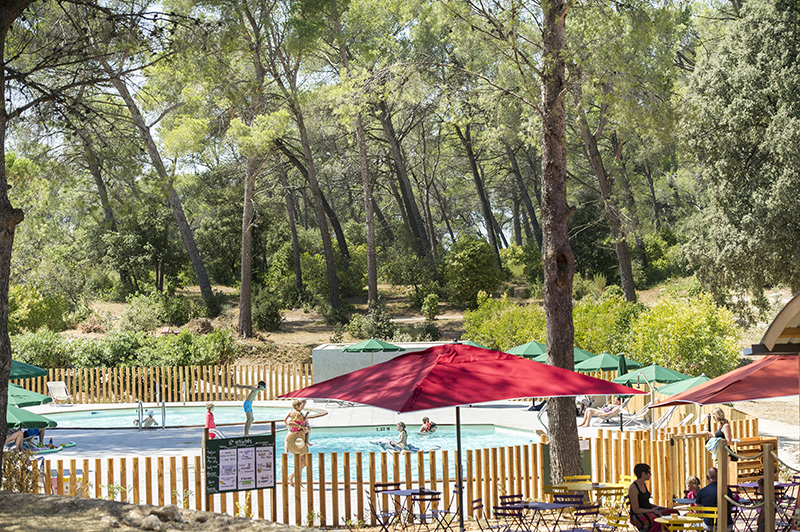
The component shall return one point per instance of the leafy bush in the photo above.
(267, 311)
(430, 307)
(20, 472)
(603, 324)
(41, 348)
(147, 312)
(29, 310)
(176, 309)
(187, 349)
(469, 268)
(426, 332)
(501, 324)
(377, 323)
(692, 336)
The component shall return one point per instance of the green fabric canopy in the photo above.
(372, 346)
(604, 362)
(21, 370)
(530, 350)
(22, 419)
(653, 373)
(682, 386)
(580, 355)
(473, 344)
(20, 397)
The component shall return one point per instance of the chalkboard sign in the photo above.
(240, 464)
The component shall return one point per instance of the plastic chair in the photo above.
(58, 391)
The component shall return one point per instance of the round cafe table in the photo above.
(678, 519)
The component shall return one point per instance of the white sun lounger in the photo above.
(58, 391)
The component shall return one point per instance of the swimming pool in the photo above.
(177, 416)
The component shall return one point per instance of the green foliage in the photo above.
(377, 323)
(147, 312)
(41, 348)
(602, 325)
(29, 310)
(430, 306)
(501, 324)
(470, 267)
(692, 336)
(20, 472)
(267, 311)
(426, 332)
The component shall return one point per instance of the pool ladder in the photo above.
(140, 410)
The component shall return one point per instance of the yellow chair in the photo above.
(577, 478)
(684, 527)
(617, 522)
(706, 512)
(626, 479)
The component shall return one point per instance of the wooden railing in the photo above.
(336, 488)
(173, 383)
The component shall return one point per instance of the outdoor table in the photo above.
(586, 487)
(536, 510)
(403, 508)
(678, 519)
(682, 503)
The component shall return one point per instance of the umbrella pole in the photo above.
(459, 479)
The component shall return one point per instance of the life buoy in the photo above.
(296, 443)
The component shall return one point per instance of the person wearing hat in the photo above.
(401, 443)
(149, 421)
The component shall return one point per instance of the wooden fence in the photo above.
(173, 383)
(336, 488)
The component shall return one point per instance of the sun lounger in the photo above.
(58, 391)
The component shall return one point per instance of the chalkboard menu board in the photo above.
(240, 464)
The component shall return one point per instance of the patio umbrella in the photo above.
(19, 418)
(604, 362)
(772, 376)
(529, 350)
(473, 344)
(651, 373)
(454, 375)
(623, 365)
(21, 370)
(682, 386)
(372, 346)
(19, 397)
(580, 355)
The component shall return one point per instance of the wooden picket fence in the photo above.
(333, 496)
(173, 383)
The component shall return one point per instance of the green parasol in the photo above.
(20, 397)
(604, 362)
(473, 344)
(652, 373)
(530, 350)
(372, 346)
(22, 419)
(21, 370)
(682, 386)
(579, 354)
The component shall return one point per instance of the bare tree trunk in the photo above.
(486, 209)
(172, 196)
(653, 204)
(245, 326)
(515, 217)
(443, 210)
(369, 217)
(341, 241)
(385, 227)
(557, 258)
(523, 192)
(287, 196)
(10, 217)
(630, 205)
(611, 210)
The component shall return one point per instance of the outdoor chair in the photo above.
(706, 512)
(616, 523)
(687, 420)
(614, 415)
(585, 518)
(506, 500)
(424, 510)
(382, 518)
(577, 478)
(512, 517)
(382, 513)
(626, 480)
(58, 391)
(479, 514)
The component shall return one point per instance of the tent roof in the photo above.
(783, 334)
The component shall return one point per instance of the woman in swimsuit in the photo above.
(643, 512)
(296, 421)
(724, 430)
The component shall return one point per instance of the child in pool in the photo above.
(296, 421)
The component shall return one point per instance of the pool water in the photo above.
(177, 416)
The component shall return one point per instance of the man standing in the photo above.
(708, 497)
(248, 402)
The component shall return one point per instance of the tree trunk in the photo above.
(633, 216)
(653, 204)
(610, 209)
(172, 196)
(557, 257)
(407, 192)
(443, 210)
(524, 196)
(466, 141)
(10, 217)
(516, 217)
(369, 216)
(385, 227)
(341, 241)
(245, 327)
(287, 196)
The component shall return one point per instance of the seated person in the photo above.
(582, 403)
(428, 426)
(149, 421)
(692, 487)
(708, 497)
(15, 437)
(607, 411)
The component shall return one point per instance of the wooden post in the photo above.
(335, 484)
(722, 487)
(136, 489)
(199, 485)
(769, 488)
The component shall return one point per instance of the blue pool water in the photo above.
(177, 416)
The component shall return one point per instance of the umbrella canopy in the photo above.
(772, 376)
(21, 370)
(473, 344)
(22, 419)
(623, 365)
(372, 346)
(604, 362)
(580, 355)
(530, 350)
(653, 373)
(682, 386)
(19, 396)
(454, 375)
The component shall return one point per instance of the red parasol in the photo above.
(772, 376)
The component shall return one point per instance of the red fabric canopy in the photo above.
(453, 375)
(772, 376)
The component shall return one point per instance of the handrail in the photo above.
(140, 411)
(787, 466)
(163, 415)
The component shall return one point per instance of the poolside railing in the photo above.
(173, 383)
(335, 489)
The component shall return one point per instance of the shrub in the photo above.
(20, 472)
(430, 307)
(469, 268)
(376, 324)
(426, 332)
(603, 324)
(41, 348)
(142, 314)
(266, 311)
(501, 324)
(176, 310)
(29, 310)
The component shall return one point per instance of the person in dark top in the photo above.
(724, 430)
(643, 512)
(708, 497)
